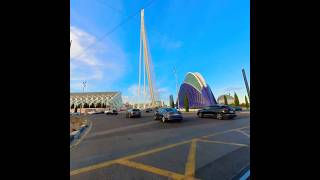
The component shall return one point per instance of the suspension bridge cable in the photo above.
(115, 28)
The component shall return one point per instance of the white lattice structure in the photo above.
(110, 99)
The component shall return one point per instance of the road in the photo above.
(141, 148)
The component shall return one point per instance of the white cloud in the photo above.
(102, 64)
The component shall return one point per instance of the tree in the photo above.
(225, 100)
(171, 101)
(72, 106)
(236, 99)
(92, 105)
(186, 103)
(98, 105)
(246, 101)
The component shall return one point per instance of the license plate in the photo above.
(231, 111)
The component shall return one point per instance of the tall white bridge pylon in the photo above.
(145, 64)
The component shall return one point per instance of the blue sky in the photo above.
(211, 37)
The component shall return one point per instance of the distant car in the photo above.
(148, 110)
(99, 112)
(168, 114)
(237, 108)
(95, 112)
(91, 112)
(133, 113)
(218, 112)
(112, 112)
(74, 113)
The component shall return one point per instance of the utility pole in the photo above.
(175, 73)
(84, 85)
(246, 82)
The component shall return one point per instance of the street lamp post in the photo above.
(84, 85)
(175, 73)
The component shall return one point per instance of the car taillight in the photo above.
(225, 109)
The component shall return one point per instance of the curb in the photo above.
(77, 136)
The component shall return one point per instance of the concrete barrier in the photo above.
(71, 138)
(75, 134)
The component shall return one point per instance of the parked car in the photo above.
(217, 111)
(95, 112)
(168, 114)
(74, 113)
(111, 112)
(99, 112)
(91, 112)
(133, 113)
(148, 110)
(237, 108)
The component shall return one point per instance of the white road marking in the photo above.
(121, 129)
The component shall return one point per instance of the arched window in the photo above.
(92, 106)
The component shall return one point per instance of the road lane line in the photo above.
(230, 130)
(92, 167)
(244, 133)
(220, 142)
(155, 150)
(191, 162)
(108, 163)
(151, 169)
(120, 129)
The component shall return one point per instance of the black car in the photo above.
(168, 114)
(217, 111)
(133, 113)
(148, 110)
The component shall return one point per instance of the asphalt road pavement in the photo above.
(141, 148)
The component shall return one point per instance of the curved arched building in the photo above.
(198, 92)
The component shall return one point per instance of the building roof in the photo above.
(196, 80)
(93, 93)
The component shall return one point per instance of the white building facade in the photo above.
(95, 99)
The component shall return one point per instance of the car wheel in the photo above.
(163, 119)
(219, 116)
(201, 115)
